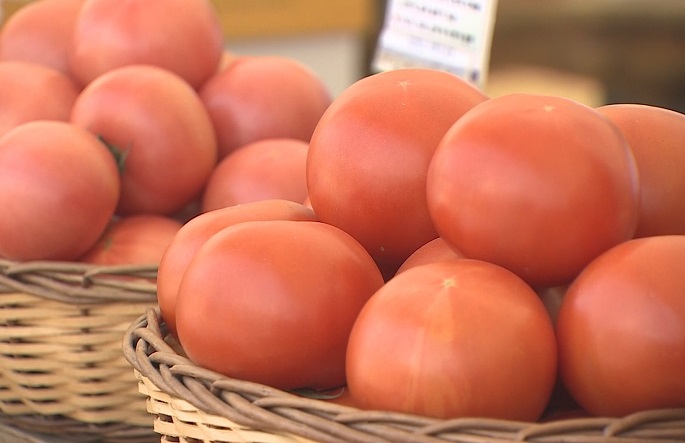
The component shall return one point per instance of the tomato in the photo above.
(370, 152)
(273, 302)
(196, 231)
(265, 169)
(435, 250)
(41, 32)
(24, 87)
(259, 97)
(459, 338)
(538, 184)
(158, 122)
(621, 329)
(134, 239)
(657, 138)
(183, 36)
(58, 189)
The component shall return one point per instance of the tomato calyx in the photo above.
(119, 154)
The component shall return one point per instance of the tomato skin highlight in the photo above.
(459, 338)
(370, 152)
(278, 285)
(621, 329)
(195, 232)
(59, 187)
(538, 184)
(657, 139)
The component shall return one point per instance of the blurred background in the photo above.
(603, 51)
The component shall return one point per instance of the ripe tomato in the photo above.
(159, 123)
(289, 292)
(266, 169)
(657, 138)
(183, 36)
(58, 189)
(258, 97)
(435, 250)
(452, 339)
(134, 239)
(40, 32)
(198, 230)
(24, 91)
(538, 184)
(621, 329)
(370, 152)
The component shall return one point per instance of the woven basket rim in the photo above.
(272, 410)
(79, 283)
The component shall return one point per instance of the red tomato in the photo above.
(259, 97)
(29, 91)
(538, 184)
(265, 169)
(158, 122)
(273, 302)
(41, 32)
(135, 239)
(459, 338)
(370, 153)
(435, 250)
(196, 231)
(58, 189)
(657, 138)
(183, 36)
(621, 329)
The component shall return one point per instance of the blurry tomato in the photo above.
(273, 302)
(183, 36)
(621, 329)
(259, 97)
(198, 230)
(435, 250)
(161, 128)
(657, 138)
(265, 169)
(29, 91)
(538, 184)
(41, 32)
(459, 338)
(134, 239)
(58, 189)
(370, 153)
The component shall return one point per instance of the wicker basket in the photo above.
(192, 404)
(62, 371)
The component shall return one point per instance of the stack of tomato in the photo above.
(152, 84)
(437, 251)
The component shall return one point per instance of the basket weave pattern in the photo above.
(196, 405)
(61, 365)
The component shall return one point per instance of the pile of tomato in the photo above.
(434, 250)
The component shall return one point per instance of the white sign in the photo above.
(450, 35)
